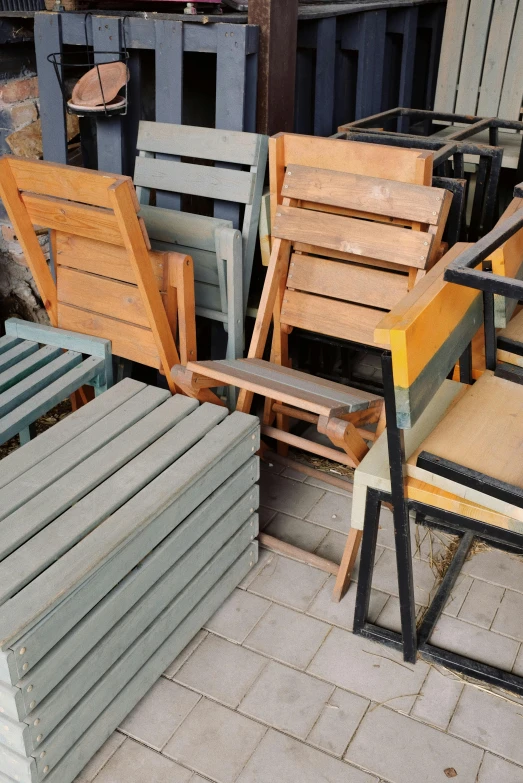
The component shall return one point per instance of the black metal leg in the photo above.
(367, 555)
(465, 365)
(490, 330)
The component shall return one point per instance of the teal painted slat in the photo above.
(102, 727)
(39, 380)
(24, 368)
(46, 399)
(62, 338)
(8, 341)
(41, 639)
(18, 463)
(16, 736)
(180, 489)
(16, 354)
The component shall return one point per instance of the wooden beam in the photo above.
(278, 23)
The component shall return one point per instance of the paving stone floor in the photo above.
(276, 688)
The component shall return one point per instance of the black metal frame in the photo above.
(411, 640)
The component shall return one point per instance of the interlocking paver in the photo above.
(282, 759)
(236, 618)
(288, 582)
(295, 475)
(185, 653)
(265, 515)
(386, 532)
(157, 716)
(317, 482)
(134, 763)
(498, 567)
(215, 741)
(290, 497)
(489, 721)
(496, 770)
(509, 618)
(288, 636)
(389, 617)
(222, 670)
(342, 612)
(295, 531)
(332, 511)
(286, 699)
(265, 557)
(385, 577)
(486, 646)
(438, 698)
(481, 604)
(403, 750)
(332, 546)
(458, 595)
(337, 723)
(368, 669)
(100, 759)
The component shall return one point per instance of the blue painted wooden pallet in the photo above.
(122, 530)
(40, 366)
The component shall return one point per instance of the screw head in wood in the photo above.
(25, 667)
(42, 754)
(37, 721)
(46, 769)
(40, 738)
(29, 688)
(22, 651)
(33, 705)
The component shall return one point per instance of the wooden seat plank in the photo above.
(48, 442)
(182, 228)
(7, 342)
(380, 241)
(50, 396)
(85, 439)
(351, 282)
(365, 194)
(57, 213)
(17, 353)
(31, 364)
(38, 380)
(193, 141)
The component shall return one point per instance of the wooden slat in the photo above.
(365, 194)
(500, 34)
(350, 282)
(38, 380)
(329, 316)
(36, 406)
(69, 182)
(121, 301)
(512, 92)
(387, 243)
(91, 222)
(24, 368)
(101, 258)
(182, 228)
(478, 23)
(17, 354)
(191, 178)
(18, 463)
(196, 142)
(7, 342)
(451, 52)
(131, 342)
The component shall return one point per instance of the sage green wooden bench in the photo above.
(122, 530)
(40, 366)
(222, 248)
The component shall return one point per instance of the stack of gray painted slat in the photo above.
(122, 530)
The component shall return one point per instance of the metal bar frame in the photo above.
(412, 641)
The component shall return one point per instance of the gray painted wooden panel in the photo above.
(16, 736)
(194, 179)
(512, 92)
(47, 443)
(95, 489)
(50, 335)
(104, 671)
(42, 638)
(207, 296)
(195, 142)
(181, 228)
(177, 491)
(24, 368)
(17, 353)
(496, 57)
(7, 342)
(478, 23)
(73, 452)
(30, 411)
(100, 729)
(450, 57)
(27, 388)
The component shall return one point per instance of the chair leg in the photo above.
(344, 435)
(368, 555)
(347, 564)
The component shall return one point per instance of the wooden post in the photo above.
(278, 23)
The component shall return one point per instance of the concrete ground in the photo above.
(277, 689)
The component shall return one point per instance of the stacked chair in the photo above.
(346, 247)
(452, 451)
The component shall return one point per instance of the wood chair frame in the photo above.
(109, 283)
(434, 506)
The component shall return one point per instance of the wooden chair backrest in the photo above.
(427, 333)
(350, 157)
(108, 282)
(356, 246)
(161, 165)
(481, 61)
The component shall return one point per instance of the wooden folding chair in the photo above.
(345, 248)
(109, 283)
(451, 452)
